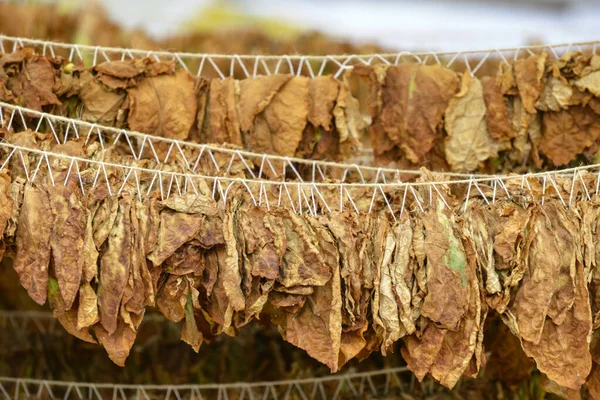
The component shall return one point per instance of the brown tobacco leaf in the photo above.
(164, 105)
(33, 243)
(89, 266)
(305, 261)
(174, 230)
(414, 99)
(278, 129)
(229, 266)
(171, 297)
(322, 94)
(117, 345)
(114, 267)
(394, 293)
(496, 115)
(552, 307)
(119, 69)
(568, 133)
(529, 75)
(66, 317)
(589, 82)
(447, 298)
(33, 85)
(189, 332)
(468, 143)
(182, 219)
(223, 123)
(6, 202)
(66, 238)
(87, 312)
(557, 94)
(255, 95)
(317, 326)
(100, 104)
(264, 242)
(346, 229)
(348, 120)
(447, 353)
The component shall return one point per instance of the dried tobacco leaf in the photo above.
(255, 95)
(322, 94)
(551, 310)
(304, 262)
(278, 129)
(171, 297)
(189, 332)
(229, 266)
(264, 242)
(33, 85)
(175, 229)
(33, 242)
(529, 75)
(119, 343)
(6, 201)
(469, 142)
(67, 237)
(101, 105)
(164, 105)
(447, 299)
(87, 312)
(317, 326)
(114, 268)
(223, 120)
(568, 133)
(557, 94)
(67, 317)
(414, 99)
(496, 114)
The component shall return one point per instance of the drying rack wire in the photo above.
(302, 197)
(190, 154)
(350, 385)
(296, 64)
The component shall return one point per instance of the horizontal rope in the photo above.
(181, 146)
(309, 195)
(212, 385)
(474, 179)
(341, 62)
(69, 46)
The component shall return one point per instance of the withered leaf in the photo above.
(255, 95)
(66, 317)
(119, 344)
(568, 133)
(322, 94)
(223, 120)
(447, 298)
(305, 261)
(469, 142)
(164, 105)
(496, 114)
(100, 104)
(278, 129)
(6, 202)
(529, 74)
(33, 242)
(114, 268)
(87, 312)
(67, 236)
(33, 85)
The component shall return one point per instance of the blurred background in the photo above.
(441, 25)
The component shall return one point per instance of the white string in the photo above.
(340, 60)
(186, 145)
